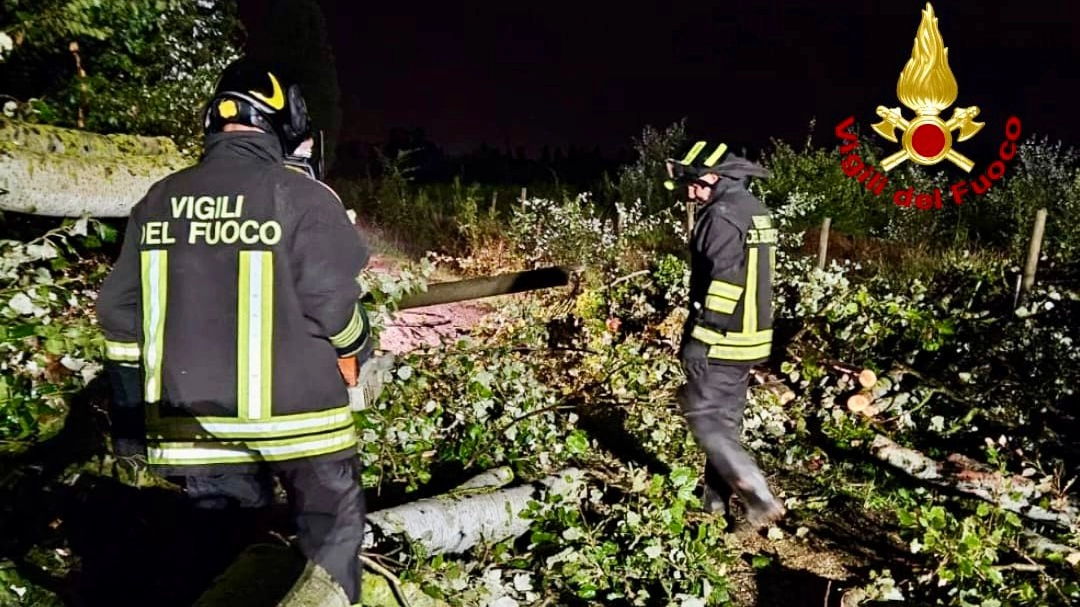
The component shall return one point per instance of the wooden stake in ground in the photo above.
(1033, 250)
(823, 243)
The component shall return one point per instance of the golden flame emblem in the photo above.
(927, 87)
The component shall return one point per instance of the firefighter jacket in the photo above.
(733, 256)
(235, 293)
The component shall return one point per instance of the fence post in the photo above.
(523, 193)
(823, 243)
(690, 208)
(1033, 250)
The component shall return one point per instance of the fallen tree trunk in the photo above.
(269, 575)
(489, 286)
(1044, 548)
(478, 510)
(1014, 493)
(458, 521)
(52, 171)
(273, 575)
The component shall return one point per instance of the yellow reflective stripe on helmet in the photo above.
(731, 338)
(725, 289)
(155, 273)
(351, 332)
(124, 351)
(255, 334)
(241, 452)
(185, 428)
(693, 153)
(720, 305)
(715, 156)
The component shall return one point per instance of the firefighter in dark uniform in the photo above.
(729, 326)
(233, 298)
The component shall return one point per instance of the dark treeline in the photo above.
(576, 166)
(428, 162)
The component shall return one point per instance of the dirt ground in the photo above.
(428, 326)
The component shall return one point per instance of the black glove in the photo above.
(368, 342)
(126, 409)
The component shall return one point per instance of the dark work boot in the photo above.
(716, 497)
(712, 502)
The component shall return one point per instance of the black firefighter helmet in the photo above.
(703, 158)
(252, 93)
(700, 159)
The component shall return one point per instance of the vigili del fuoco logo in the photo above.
(927, 87)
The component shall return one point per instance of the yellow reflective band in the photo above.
(122, 350)
(735, 346)
(693, 153)
(731, 338)
(720, 149)
(750, 304)
(763, 236)
(762, 222)
(728, 290)
(242, 452)
(740, 353)
(351, 332)
(720, 305)
(155, 273)
(166, 428)
(255, 334)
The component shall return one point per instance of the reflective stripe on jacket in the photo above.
(236, 292)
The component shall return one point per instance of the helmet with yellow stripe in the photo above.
(701, 158)
(258, 95)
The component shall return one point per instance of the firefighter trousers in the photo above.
(713, 400)
(325, 502)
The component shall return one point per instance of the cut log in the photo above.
(456, 522)
(867, 378)
(273, 575)
(1014, 493)
(268, 575)
(60, 172)
(859, 403)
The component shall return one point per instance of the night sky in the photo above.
(593, 73)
